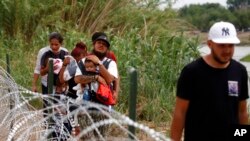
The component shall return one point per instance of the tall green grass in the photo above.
(141, 36)
(246, 58)
(157, 60)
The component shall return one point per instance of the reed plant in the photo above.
(143, 37)
(157, 60)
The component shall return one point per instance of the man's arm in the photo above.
(105, 74)
(85, 79)
(243, 115)
(179, 117)
(116, 88)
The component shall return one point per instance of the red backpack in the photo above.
(105, 95)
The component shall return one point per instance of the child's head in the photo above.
(90, 66)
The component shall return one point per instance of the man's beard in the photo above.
(218, 60)
(99, 54)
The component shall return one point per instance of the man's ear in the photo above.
(209, 43)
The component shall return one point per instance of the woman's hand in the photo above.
(66, 61)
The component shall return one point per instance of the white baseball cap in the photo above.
(223, 33)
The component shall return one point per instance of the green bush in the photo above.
(141, 36)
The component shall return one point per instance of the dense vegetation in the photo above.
(142, 36)
(203, 16)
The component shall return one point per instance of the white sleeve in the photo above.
(63, 48)
(78, 71)
(112, 69)
(66, 75)
(38, 59)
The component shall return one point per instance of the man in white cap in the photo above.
(212, 91)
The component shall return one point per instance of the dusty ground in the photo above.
(162, 128)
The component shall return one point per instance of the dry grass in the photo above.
(244, 37)
(162, 128)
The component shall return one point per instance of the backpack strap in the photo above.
(106, 63)
(82, 67)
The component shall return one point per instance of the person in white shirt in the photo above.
(38, 62)
(110, 74)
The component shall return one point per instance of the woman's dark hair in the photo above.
(56, 35)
